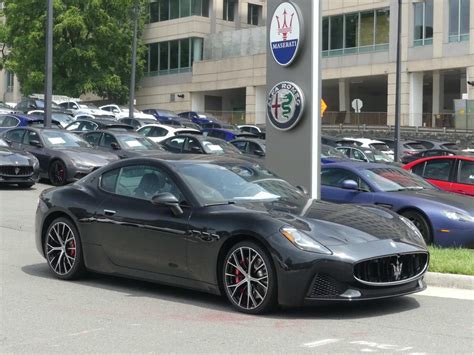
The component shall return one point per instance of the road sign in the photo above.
(324, 107)
(357, 105)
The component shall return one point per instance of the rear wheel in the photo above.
(421, 223)
(249, 278)
(63, 249)
(57, 173)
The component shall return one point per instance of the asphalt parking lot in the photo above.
(41, 314)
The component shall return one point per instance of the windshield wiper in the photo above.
(225, 203)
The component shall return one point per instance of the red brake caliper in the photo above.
(72, 251)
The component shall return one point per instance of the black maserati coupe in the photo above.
(16, 167)
(63, 156)
(226, 226)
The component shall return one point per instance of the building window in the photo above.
(10, 81)
(458, 20)
(229, 8)
(423, 16)
(360, 32)
(172, 57)
(164, 10)
(253, 14)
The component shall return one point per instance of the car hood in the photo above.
(9, 157)
(92, 157)
(332, 224)
(440, 197)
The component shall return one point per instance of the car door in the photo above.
(134, 232)
(464, 183)
(14, 137)
(332, 190)
(440, 172)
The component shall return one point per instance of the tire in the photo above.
(26, 185)
(421, 223)
(57, 173)
(64, 259)
(263, 294)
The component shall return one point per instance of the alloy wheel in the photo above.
(246, 278)
(58, 174)
(61, 248)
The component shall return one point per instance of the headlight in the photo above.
(36, 164)
(303, 241)
(82, 165)
(457, 216)
(413, 228)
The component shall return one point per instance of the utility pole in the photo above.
(48, 85)
(134, 58)
(397, 85)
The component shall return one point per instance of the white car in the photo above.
(158, 132)
(78, 107)
(123, 112)
(371, 143)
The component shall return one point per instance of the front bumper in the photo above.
(12, 179)
(309, 278)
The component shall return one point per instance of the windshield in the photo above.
(414, 146)
(217, 184)
(166, 113)
(452, 146)
(136, 143)
(61, 139)
(217, 146)
(62, 117)
(376, 156)
(380, 146)
(328, 151)
(394, 179)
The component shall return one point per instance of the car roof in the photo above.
(364, 140)
(256, 140)
(353, 165)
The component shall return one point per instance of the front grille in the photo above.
(391, 269)
(325, 286)
(16, 170)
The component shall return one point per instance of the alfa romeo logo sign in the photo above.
(285, 105)
(285, 32)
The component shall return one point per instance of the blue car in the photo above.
(226, 134)
(197, 117)
(443, 218)
(20, 120)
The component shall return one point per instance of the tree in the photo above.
(92, 46)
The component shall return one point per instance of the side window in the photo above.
(334, 177)
(145, 182)
(107, 140)
(176, 144)
(126, 121)
(63, 104)
(10, 121)
(466, 172)
(74, 126)
(192, 146)
(73, 106)
(252, 147)
(88, 126)
(92, 138)
(159, 132)
(345, 151)
(418, 169)
(439, 169)
(107, 108)
(240, 146)
(108, 181)
(30, 136)
(15, 135)
(145, 131)
(358, 155)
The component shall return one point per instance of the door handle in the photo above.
(109, 212)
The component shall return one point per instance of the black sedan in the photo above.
(427, 154)
(250, 146)
(63, 156)
(17, 167)
(124, 144)
(227, 227)
(136, 123)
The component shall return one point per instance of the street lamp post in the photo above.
(48, 86)
(397, 85)
(134, 58)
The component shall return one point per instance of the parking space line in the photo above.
(322, 342)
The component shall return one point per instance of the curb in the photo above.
(449, 280)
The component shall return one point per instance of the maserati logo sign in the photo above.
(17, 170)
(285, 34)
(397, 269)
(285, 105)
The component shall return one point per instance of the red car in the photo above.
(449, 173)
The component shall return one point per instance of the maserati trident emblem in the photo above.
(397, 269)
(17, 170)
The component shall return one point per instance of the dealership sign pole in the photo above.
(294, 92)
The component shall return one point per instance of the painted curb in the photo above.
(449, 280)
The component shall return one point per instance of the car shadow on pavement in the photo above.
(326, 310)
(16, 188)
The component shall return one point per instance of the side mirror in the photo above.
(115, 110)
(115, 146)
(259, 152)
(350, 185)
(36, 143)
(167, 199)
(302, 189)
